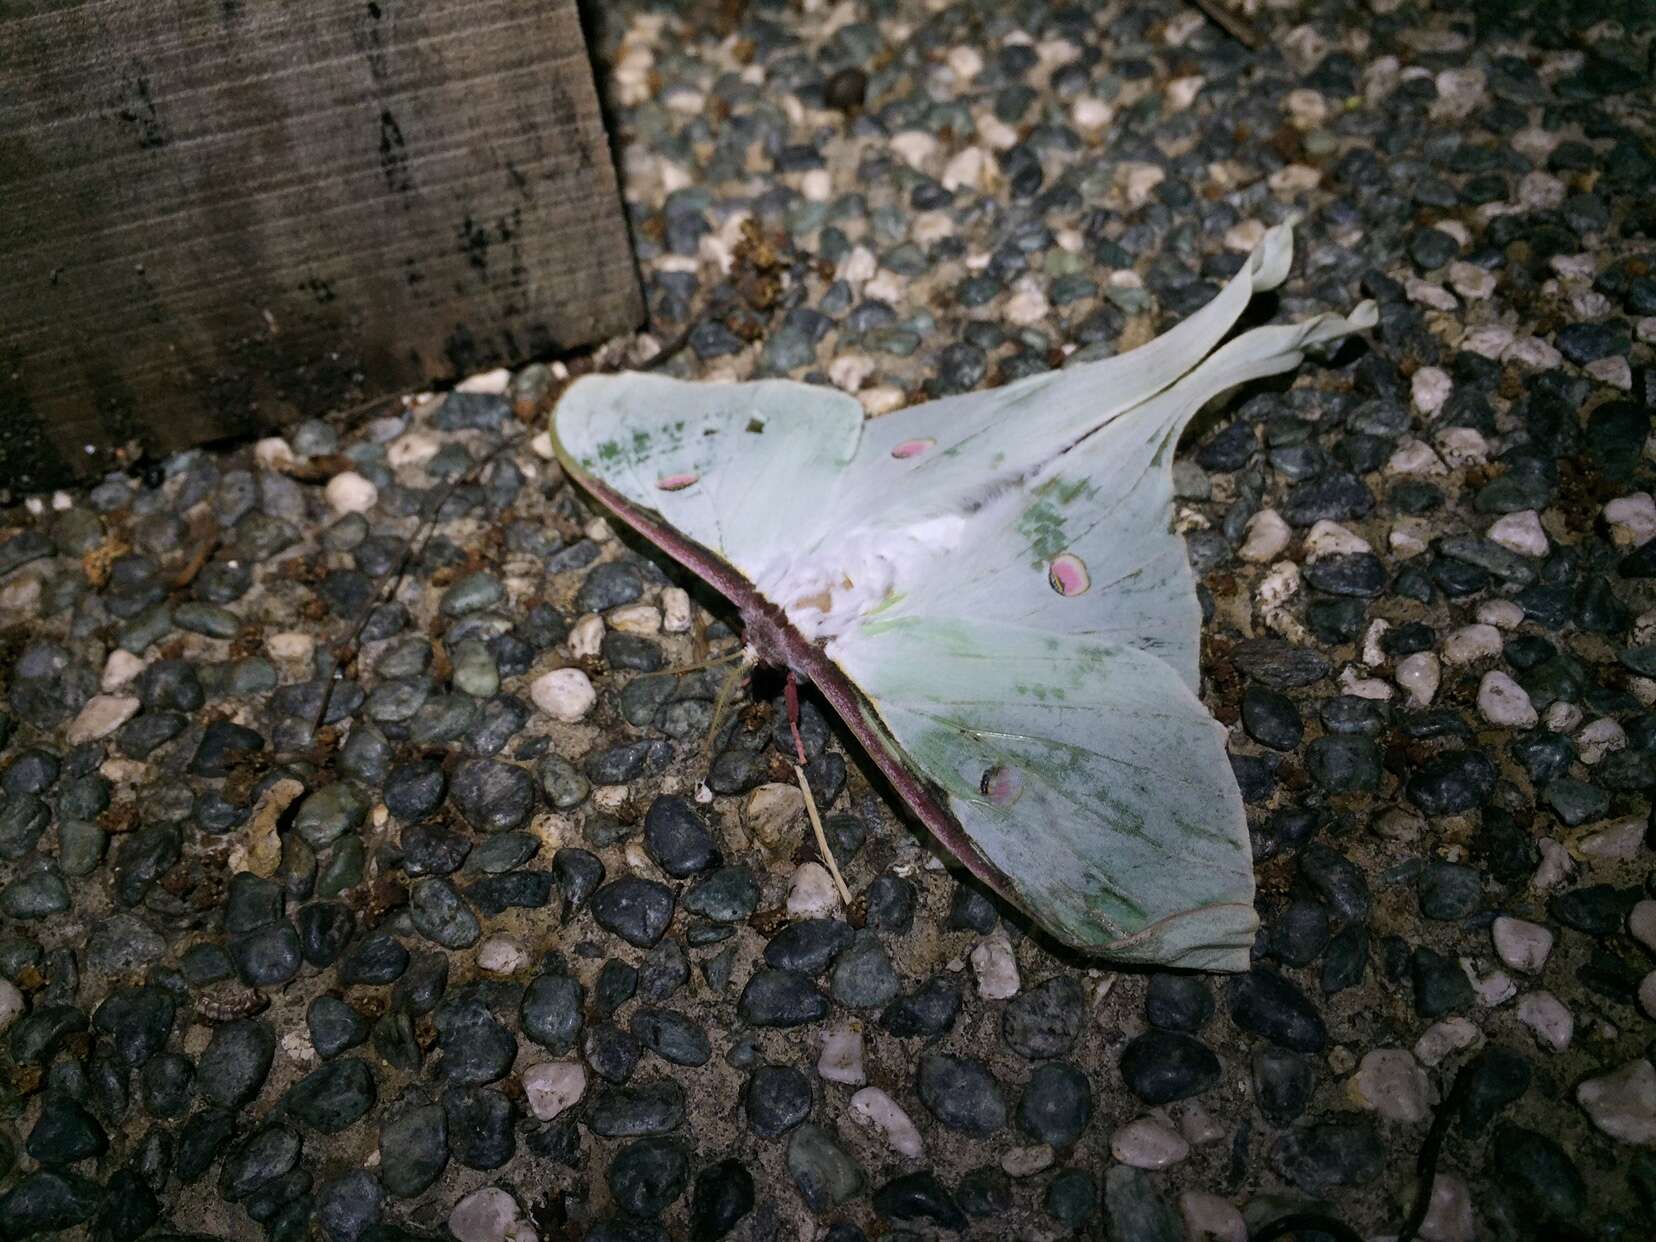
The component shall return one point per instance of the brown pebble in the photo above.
(846, 89)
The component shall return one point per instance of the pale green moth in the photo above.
(987, 589)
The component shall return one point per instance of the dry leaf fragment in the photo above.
(263, 846)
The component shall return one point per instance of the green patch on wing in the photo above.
(1044, 522)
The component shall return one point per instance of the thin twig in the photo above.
(822, 837)
(1230, 23)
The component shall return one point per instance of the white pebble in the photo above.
(1620, 840)
(1563, 717)
(841, 1060)
(1503, 614)
(1278, 587)
(1449, 1212)
(20, 593)
(349, 492)
(1622, 1103)
(1294, 179)
(811, 893)
(1520, 944)
(1556, 866)
(1391, 1083)
(1474, 283)
(1429, 388)
(1600, 738)
(1415, 457)
(1539, 191)
(552, 1086)
(1490, 341)
(1307, 108)
(875, 1108)
(1631, 519)
(882, 399)
(586, 636)
(273, 453)
(415, 448)
(1521, 533)
(490, 1215)
(1182, 92)
(101, 716)
(965, 169)
(1329, 538)
(1089, 113)
(1208, 1218)
(675, 610)
(1532, 351)
(1374, 655)
(121, 667)
(914, 147)
(1148, 1144)
(1244, 235)
(1027, 1161)
(995, 968)
(858, 266)
(490, 383)
(1359, 687)
(1027, 305)
(1418, 675)
(11, 1003)
(1463, 446)
(850, 372)
(1268, 535)
(1472, 643)
(635, 619)
(294, 645)
(501, 955)
(1641, 923)
(773, 815)
(1442, 1038)
(1427, 294)
(1398, 825)
(1408, 537)
(540, 444)
(1199, 1126)
(1495, 988)
(564, 694)
(1504, 702)
(1548, 1020)
(817, 185)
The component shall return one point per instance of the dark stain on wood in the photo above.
(225, 217)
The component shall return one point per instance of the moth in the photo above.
(988, 591)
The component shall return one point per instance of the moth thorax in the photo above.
(827, 591)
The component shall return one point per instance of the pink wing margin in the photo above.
(779, 643)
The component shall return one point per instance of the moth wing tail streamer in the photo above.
(1086, 775)
(913, 460)
(1103, 512)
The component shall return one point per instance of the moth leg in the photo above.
(717, 661)
(745, 660)
(790, 695)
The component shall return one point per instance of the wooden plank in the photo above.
(219, 215)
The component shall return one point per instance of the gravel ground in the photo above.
(475, 957)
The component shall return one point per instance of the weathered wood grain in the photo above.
(219, 215)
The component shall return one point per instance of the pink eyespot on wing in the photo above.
(1068, 574)
(912, 448)
(1001, 785)
(675, 482)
